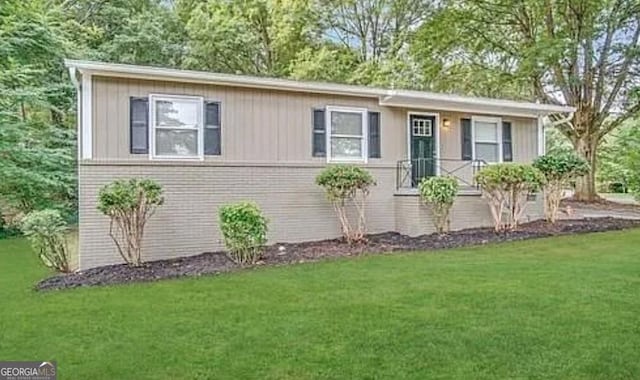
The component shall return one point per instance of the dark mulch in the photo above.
(279, 254)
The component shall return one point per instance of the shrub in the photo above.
(559, 171)
(344, 185)
(506, 187)
(129, 204)
(439, 193)
(244, 229)
(47, 232)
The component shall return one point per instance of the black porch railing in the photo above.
(409, 173)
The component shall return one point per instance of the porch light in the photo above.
(446, 123)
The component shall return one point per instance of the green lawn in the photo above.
(563, 308)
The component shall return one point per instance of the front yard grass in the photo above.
(562, 308)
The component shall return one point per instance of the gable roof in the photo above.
(386, 97)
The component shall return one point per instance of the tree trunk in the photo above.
(586, 146)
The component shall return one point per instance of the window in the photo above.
(487, 137)
(177, 126)
(347, 134)
(422, 127)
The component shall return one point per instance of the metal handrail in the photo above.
(404, 170)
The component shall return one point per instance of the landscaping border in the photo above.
(211, 263)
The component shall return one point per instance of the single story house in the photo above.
(210, 139)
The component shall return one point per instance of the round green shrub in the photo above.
(47, 232)
(510, 175)
(561, 167)
(439, 193)
(127, 194)
(347, 184)
(244, 229)
(506, 187)
(559, 170)
(343, 181)
(129, 203)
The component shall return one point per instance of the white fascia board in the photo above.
(387, 96)
(541, 137)
(461, 108)
(86, 116)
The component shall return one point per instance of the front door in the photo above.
(422, 147)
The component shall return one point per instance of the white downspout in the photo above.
(76, 85)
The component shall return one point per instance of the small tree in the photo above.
(559, 171)
(244, 229)
(47, 232)
(129, 204)
(439, 193)
(344, 185)
(506, 187)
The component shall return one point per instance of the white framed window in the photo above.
(346, 134)
(487, 138)
(422, 127)
(176, 127)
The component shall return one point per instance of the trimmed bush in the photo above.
(506, 188)
(559, 170)
(244, 229)
(47, 232)
(129, 204)
(439, 193)
(347, 185)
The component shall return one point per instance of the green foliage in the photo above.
(627, 152)
(619, 160)
(510, 175)
(125, 195)
(506, 188)
(559, 171)
(252, 37)
(556, 142)
(47, 232)
(37, 142)
(561, 167)
(129, 204)
(244, 229)
(347, 185)
(533, 53)
(342, 182)
(439, 193)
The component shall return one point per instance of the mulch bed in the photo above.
(280, 254)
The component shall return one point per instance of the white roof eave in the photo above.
(495, 107)
(387, 97)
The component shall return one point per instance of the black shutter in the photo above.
(467, 143)
(507, 146)
(374, 135)
(319, 133)
(139, 125)
(212, 129)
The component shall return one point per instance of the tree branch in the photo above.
(602, 61)
(624, 70)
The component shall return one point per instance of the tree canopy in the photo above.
(579, 53)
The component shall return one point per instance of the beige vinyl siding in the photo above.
(524, 137)
(257, 125)
(273, 126)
